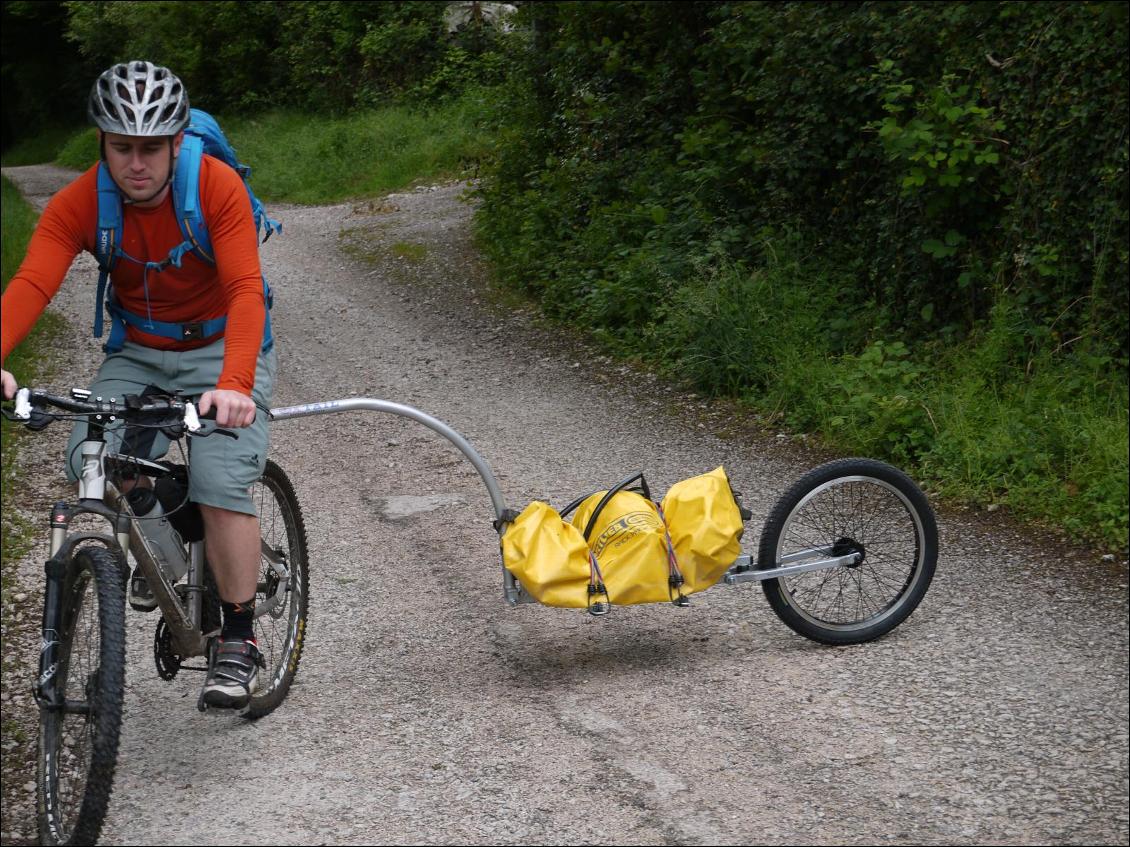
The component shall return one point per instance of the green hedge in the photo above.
(897, 224)
(945, 155)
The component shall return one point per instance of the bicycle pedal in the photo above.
(141, 597)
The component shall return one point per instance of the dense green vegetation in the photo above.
(902, 226)
(312, 55)
(17, 220)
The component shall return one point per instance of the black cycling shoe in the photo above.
(233, 674)
(141, 597)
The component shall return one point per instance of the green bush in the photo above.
(903, 226)
(315, 55)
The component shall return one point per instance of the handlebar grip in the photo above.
(23, 405)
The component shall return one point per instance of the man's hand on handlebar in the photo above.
(8, 384)
(232, 407)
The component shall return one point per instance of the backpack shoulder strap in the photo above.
(186, 202)
(107, 238)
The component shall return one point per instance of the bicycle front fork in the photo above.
(63, 544)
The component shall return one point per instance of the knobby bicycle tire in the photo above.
(78, 751)
(850, 506)
(280, 635)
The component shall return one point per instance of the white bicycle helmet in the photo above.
(139, 99)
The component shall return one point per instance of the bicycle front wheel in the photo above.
(283, 588)
(78, 743)
(850, 506)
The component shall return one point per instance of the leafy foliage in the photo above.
(823, 207)
(316, 55)
(319, 56)
(949, 177)
(44, 78)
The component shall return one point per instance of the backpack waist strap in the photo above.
(190, 331)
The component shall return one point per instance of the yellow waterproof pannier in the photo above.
(622, 548)
(629, 541)
(706, 525)
(548, 556)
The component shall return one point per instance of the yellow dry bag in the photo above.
(627, 537)
(550, 558)
(623, 548)
(706, 525)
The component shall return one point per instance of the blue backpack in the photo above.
(202, 135)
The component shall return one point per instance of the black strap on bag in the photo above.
(612, 492)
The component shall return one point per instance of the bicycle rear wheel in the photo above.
(281, 630)
(850, 506)
(78, 745)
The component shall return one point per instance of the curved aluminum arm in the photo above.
(352, 404)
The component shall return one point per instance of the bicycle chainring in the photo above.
(168, 663)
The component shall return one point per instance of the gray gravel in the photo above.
(425, 710)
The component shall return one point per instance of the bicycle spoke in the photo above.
(868, 515)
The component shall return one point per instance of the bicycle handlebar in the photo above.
(173, 411)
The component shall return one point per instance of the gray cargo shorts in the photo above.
(221, 469)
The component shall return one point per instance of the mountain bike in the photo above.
(80, 685)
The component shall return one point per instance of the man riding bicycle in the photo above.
(191, 326)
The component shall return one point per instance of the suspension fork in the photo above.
(55, 569)
(46, 690)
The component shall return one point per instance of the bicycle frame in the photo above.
(98, 496)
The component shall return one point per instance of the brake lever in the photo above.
(21, 411)
(210, 427)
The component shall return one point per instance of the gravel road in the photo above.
(426, 711)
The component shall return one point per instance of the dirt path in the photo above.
(426, 711)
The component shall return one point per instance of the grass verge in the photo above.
(41, 148)
(26, 362)
(1044, 438)
(300, 158)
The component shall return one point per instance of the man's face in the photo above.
(140, 165)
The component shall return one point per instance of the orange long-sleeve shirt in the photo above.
(196, 291)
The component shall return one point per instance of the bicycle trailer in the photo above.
(845, 556)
